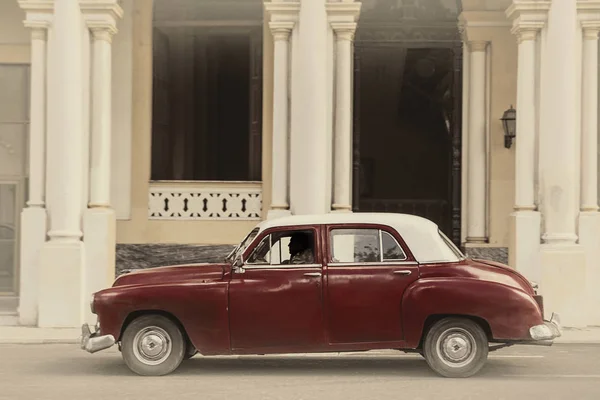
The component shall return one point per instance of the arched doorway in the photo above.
(407, 126)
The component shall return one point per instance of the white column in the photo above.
(61, 303)
(558, 155)
(33, 218)
(309, 131)
(101, 117)
(589, 217)
(525, 221)
(589, 133)
(562, 259)
(65, 163)
(37, 127)
(525, 147)
(476, 191)
(99, 223)
(280, 161)
(342, 200)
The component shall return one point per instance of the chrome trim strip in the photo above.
(281, 266)
(374, 264)
(380, 246)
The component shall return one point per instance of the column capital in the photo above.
(278, 11)
(343, 11)
(479, 45)
(528, 16)
(590, 30)
(38, 15)
(525, 32)
(102, 32)
(39, 29)
(528, 10)
(101, 17)
(281, 29)
(588, 10)
(344, 30)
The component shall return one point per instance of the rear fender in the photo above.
(509, 312)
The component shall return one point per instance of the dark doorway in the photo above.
(207, 104)
(407, 130)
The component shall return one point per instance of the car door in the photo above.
(368, 271)
(274, 304)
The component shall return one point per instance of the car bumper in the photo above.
(93, 342)
(545, 333)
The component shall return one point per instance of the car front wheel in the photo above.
(456, 347)
(153, 345)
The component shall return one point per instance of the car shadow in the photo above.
(259, 366)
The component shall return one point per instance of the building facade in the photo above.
(138, 133)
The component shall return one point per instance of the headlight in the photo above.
(92, 308)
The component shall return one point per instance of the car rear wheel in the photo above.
(456, 347)
(153, 345)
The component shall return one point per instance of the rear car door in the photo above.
(368, 271)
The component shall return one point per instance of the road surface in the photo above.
(59, 371)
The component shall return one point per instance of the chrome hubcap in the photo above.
(456, 347)
(152, 345)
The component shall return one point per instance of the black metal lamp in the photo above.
(509, 123)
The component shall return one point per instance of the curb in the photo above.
(38, 341)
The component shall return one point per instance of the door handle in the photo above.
(312, 274)
(403, 272)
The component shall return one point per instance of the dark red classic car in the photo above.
(327, 283)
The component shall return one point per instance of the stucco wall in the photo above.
(139, 229)
(14, 37)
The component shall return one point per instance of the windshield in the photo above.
(240, 248)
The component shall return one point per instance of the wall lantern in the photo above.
(509, 122)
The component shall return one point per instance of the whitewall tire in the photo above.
(153, 345)
(456, 347)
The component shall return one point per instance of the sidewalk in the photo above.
(31, 335)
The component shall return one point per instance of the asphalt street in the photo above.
(60, 371)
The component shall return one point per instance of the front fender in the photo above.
(509, 311)
(201, 308)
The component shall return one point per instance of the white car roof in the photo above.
(421, 235)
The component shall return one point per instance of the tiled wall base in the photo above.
(139, 256)
(498, 254)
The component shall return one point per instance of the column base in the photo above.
(100, 238)
(524, 244)
(61, 301)
(589, 234)
(476, 240)
(33, 237)
(278, 213)
(563, 274)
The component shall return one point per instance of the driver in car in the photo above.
(300, 249)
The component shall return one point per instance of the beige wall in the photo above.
(14, 37)
(502, 80)
(139, 229)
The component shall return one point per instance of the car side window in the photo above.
(285, 248)
(391, 249)
(364, 246)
